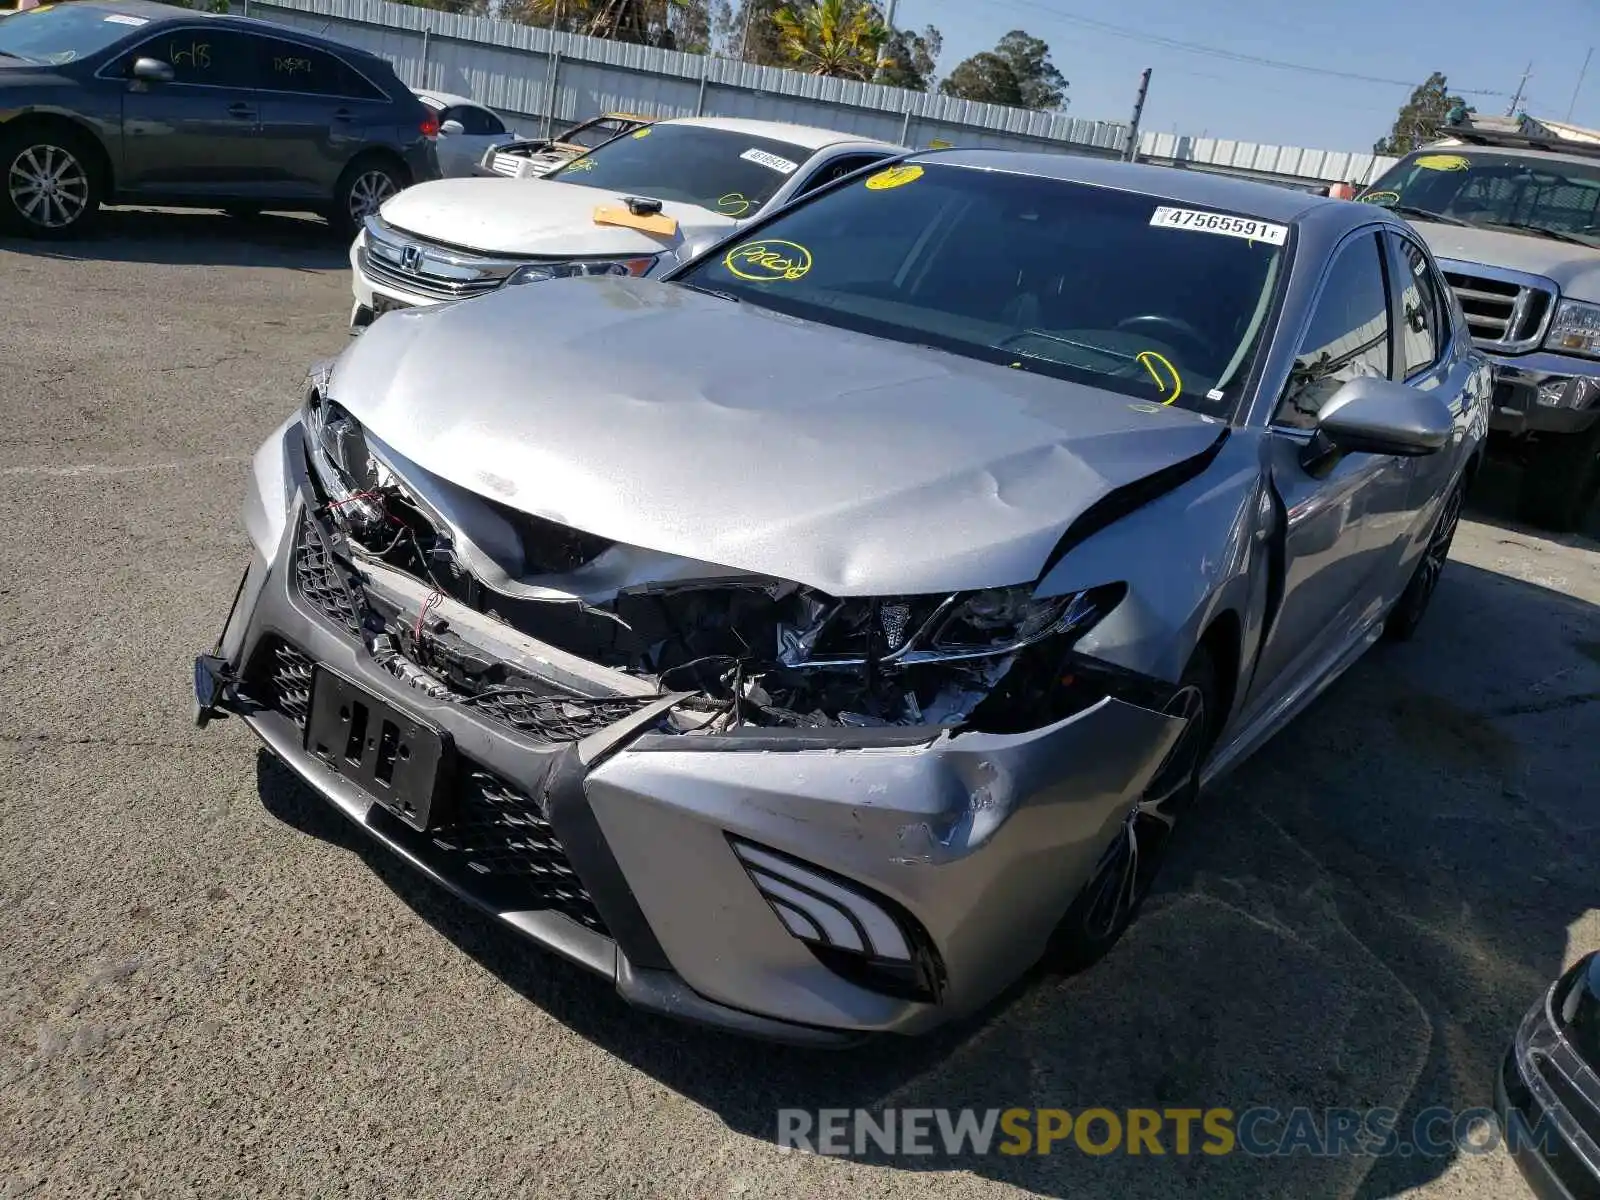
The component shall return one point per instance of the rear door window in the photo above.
(205, 57)
(284, 66)
(1424, 328)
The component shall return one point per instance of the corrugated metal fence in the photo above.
(537, 78)
(530, 74)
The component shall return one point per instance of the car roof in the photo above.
(808, 136)
(169, 13)
(1574, 156)
(1264, 200)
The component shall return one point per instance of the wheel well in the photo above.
(378, 155)
(1221, 641)
(39, 121)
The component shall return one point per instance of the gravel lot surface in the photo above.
(210, 985)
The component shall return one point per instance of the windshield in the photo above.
(1103, 287)
(727, 172)
(1496, 190)
(61, 35)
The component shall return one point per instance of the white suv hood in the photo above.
(539, 217)
(1574, 269)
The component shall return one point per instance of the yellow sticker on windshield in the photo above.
(769, 261)
(733, 204)
(578, 165)
(894, 177)
(1167, 377)
(1384, 198)
(1443, 162)
(642, 133)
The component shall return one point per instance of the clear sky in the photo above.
(1479, 44)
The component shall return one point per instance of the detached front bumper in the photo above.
(1548, 1097)
(1544, 393)
(621, 850)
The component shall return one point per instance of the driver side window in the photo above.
(1348, 336)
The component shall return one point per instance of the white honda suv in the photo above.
(636, 205)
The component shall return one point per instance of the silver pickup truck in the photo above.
(1511, 211)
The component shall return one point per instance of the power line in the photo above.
(1256, 60)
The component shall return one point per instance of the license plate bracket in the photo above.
(404, 763)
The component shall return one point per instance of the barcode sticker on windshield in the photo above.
(1250, 228)
(771, 161)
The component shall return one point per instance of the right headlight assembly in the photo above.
(908, 631)
(635, 266)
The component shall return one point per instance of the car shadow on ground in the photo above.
(1356, 918)
(198, 238)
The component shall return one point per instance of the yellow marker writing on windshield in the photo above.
(1150, 360)
(1443, 162)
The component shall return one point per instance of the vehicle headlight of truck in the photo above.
(539, 272)
(1575, 329)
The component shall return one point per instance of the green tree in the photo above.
(646, 22)
(1018, 71)
(748, 31)
(1420, 117)
(837, 38)
(909, 59)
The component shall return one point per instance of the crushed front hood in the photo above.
(664, 418)
(506, 216)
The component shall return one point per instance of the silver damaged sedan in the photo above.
(812, 641)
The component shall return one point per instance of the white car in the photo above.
(467, 131)
(638, 205)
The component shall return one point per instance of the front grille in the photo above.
(1501, 313)
(497, 844)
(1579, 1106)
(494, 841)
(556, 718)
(509, 165)
(284, 682)
(438, 289)
(319, 578)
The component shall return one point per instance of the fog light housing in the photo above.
(859, 935)
(1557, 393)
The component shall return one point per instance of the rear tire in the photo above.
(51, 182)
(366, 183)
(1561, 480)
(1110, 901)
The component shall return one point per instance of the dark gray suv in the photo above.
(143, 103)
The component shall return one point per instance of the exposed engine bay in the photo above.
(429, 598)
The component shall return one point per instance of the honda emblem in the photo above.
(411, 258)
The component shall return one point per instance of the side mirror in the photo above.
(1379, 416)
(451, 129)
(151, 70)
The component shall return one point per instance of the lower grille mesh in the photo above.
(494, 842)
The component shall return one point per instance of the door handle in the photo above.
(241, 111)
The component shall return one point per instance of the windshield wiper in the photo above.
(1553, 234)
(695, 287)
(1425, 214)
(18, 57)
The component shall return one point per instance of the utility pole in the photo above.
(883, 51)
(1516, 100)
(1130, 152)
(1579, 87)
(744, 35)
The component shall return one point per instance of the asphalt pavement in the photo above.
(211, 986)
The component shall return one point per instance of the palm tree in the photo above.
(838, 38)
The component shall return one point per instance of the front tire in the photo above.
(363, 188)
(1127, 868)
(1561, 480)
(1408, 611)
(50, 183)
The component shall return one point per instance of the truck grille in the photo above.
(1505, 311)
(509, 165)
